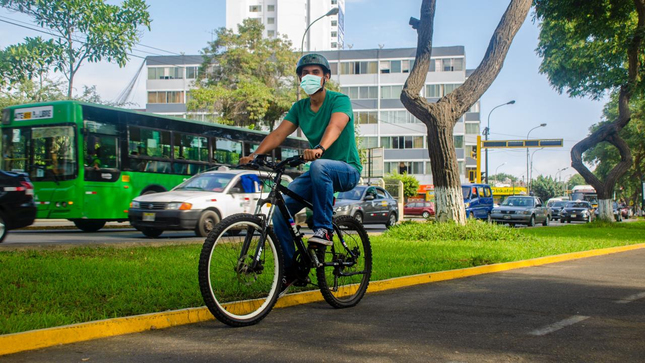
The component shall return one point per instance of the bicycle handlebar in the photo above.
(260, 161)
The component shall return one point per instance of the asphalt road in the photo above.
(588, 310)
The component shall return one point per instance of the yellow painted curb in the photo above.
(42, 338)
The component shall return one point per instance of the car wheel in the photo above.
(568, 220)
(3, 228)
(546, 221)
(391, 220)
(89, 225)
(151, 232)
(425, 215)
(359, 217)
(206, 223)
(532, 221)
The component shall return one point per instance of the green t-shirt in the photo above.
(314, 124)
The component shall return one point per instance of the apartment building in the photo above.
(291, 18)
(373, 79)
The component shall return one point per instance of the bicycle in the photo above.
(241, 263)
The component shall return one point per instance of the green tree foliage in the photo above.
(410, 184)
(604, 156)
(247, 80)
(503, 176)
(31, 60)
(545, 188)
(86, 30)
(574, 180)
(590, 48)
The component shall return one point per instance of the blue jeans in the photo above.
(316, 186)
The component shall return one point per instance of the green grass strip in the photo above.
(48, 288)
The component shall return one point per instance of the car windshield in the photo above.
(577, 205)
(559, 204)
(354, 194)
(466, 192)
(518, 202)
(211, 182)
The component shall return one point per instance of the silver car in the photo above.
(521, 210)
(368, 204)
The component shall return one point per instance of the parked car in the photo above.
(516, 209)
(555, 208)
(577, 211)
(368, 204)
(17, 206)
(200, 202)
(421, 208)
(626, 212)
(478, 200)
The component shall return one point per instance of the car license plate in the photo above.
(148, 217)
(507, 217)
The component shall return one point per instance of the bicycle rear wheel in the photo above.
(345, 284)
(237, 291)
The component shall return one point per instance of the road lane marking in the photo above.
(631, 298)
(559, 325)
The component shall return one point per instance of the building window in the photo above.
(395, 66)
(402, 142)
(165, 73)
(472, 128)
(334, 23)
(255, 8)
(271, 33)
(459, 141)
(334, 34)
(191, 72)
(449, 88)
(366, 117)
(358, 68)
(270, 20)
(391, 92)
(334, 2)
(166, 97)
(433, 90)
(270, 7)
(334, 45)
(368, 142)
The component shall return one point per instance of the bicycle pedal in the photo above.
(302, 282)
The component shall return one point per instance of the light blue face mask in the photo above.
(310, 84)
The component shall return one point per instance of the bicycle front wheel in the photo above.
(346, 270)
(240, 270)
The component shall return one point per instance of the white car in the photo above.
(200, 202)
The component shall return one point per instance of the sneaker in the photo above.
(322, 236)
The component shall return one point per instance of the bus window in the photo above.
(227, 151)
(148, 142)
(190, 147)
(14, 150)
(53, 153)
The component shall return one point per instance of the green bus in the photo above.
(87, 162)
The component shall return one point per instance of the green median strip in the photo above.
(49, 288)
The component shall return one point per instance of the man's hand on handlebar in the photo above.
(312, 154)
(246, 159)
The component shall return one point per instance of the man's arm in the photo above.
(272, 140)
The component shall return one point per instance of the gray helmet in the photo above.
(313, 59)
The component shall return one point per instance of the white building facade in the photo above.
(373, 79)
(291, 18)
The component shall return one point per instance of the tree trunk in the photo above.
(610, 132)
(606, 209)
(441, 117)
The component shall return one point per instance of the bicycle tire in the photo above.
(339, 290)
(235, 295)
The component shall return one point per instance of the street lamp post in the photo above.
(558, 177)
(331, 12)
(527, 158)
(487, 131)
(531, 169)
(504, 163)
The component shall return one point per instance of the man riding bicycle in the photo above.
(327, 121)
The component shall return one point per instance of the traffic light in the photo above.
(472, 174)
(473, 153)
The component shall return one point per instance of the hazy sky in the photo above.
(185, 27)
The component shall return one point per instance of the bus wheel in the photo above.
(151, 232)
(89, 225)
(206, 223)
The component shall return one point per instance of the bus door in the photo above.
(102, 171)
